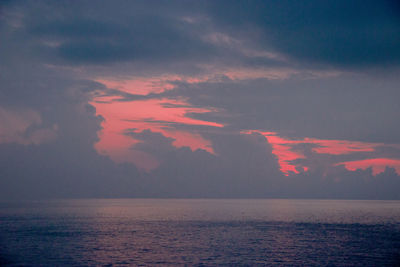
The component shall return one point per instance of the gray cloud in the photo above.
(245, 167)
(352, 107)
(253, 172)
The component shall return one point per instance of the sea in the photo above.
(199, 232)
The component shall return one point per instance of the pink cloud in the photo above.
(283, 149)
(153, 114)
(158, 114)
(378, 165)
(140, 86)
(340, 147)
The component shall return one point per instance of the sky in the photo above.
(198, 99)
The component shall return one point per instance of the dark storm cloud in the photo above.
(343, 33)
(171, 33)
(353, 34)
(145, 39)
(84, 33)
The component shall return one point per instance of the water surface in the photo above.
(200, 232)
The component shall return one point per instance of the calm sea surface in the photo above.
(200, 232)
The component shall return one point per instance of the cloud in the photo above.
(88, 86)
(193, 37)
(114, 32)
(160, 115)
(299, 155)
(354, 34)
(48, 128)
(23, 127)
(242, 166)
(378, 165)
(346, 107)
(340, 183)
(132, 37)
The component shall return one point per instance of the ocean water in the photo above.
(200, 232)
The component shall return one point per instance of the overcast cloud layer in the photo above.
(200, 99)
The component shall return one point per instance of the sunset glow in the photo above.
(153, 114)
(285, 151)
(378, 165)
(220, 99)
(139, 86)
